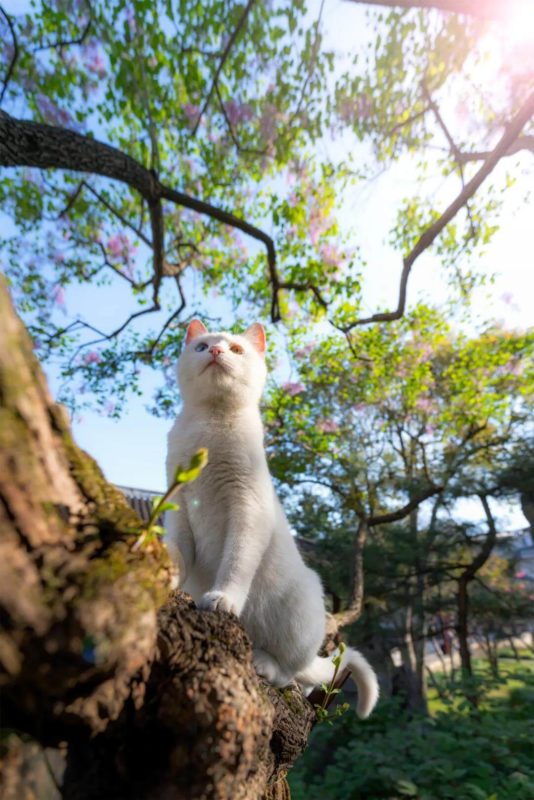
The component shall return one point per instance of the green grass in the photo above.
(513, 674)
(453, 754)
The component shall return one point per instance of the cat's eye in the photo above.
(200, 347)
(235, 348)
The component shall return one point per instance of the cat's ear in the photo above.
(194, 329)
(256, 334)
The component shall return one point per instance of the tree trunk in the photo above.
(153, 698)
(462, 600)
(355, 605)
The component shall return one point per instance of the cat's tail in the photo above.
(321, 670)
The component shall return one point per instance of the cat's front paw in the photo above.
(218, 601)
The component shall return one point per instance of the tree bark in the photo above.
(153, 698)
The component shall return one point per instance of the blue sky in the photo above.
(131, 451)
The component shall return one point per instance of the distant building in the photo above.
(140, 500)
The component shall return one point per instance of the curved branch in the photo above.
(15, 55)
(511, 133)
(229, 44)
(401, 513)
(33, 144)
(68, 42)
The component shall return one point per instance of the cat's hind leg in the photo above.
(269, 668)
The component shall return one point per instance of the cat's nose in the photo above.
(215, 351)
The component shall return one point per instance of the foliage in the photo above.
(236, 104)
(391, 756)
(162, 504)
(330, 691)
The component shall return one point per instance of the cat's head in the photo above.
(222, 368)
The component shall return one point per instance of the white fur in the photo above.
(234, 542)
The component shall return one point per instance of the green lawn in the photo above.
(454, 754)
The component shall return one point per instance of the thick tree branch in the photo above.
(401, 513)
(511, 132)
(33, 144)
(521, 143)
(487, 9)
(152, 697)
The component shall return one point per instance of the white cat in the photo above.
(231, 537)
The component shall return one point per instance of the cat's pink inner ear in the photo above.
(194, 329)
(256, 334)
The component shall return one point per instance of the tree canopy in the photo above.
(217, 144)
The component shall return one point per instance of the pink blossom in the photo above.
(191, 112)
(351, 109)
(521, 574)
(268, 123)
(130, 18)
(92, 357)
(237, 112)
(328, 426)
(94, 60)
(305, 351)
(293, 388)
(114, 246)
(507, 297)
(424, 404)
(359, 407)
(329, 254)
(120, 247)
(58, 295)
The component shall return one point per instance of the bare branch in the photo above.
(401, 513)
(487, 9)
(511, 132)
(229, 44)
(408, 121)
(172, 317)
(34, 144)
(68, 42)
(311, 68)
(521, 143)
(116, 213)
(15, 55)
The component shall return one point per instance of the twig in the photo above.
(226, 52)
(511, 132)
(15, 55)
(68, 42)
(117, 213)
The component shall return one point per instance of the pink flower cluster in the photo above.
(51, 113)
(237, 112)
(351, 109)
(119, 246)
(92, 357)
(305, 351)
(293, 389)
(327, 426)
(94, 60)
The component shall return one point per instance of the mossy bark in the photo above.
(153, 698)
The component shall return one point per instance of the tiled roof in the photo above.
(140, 500)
